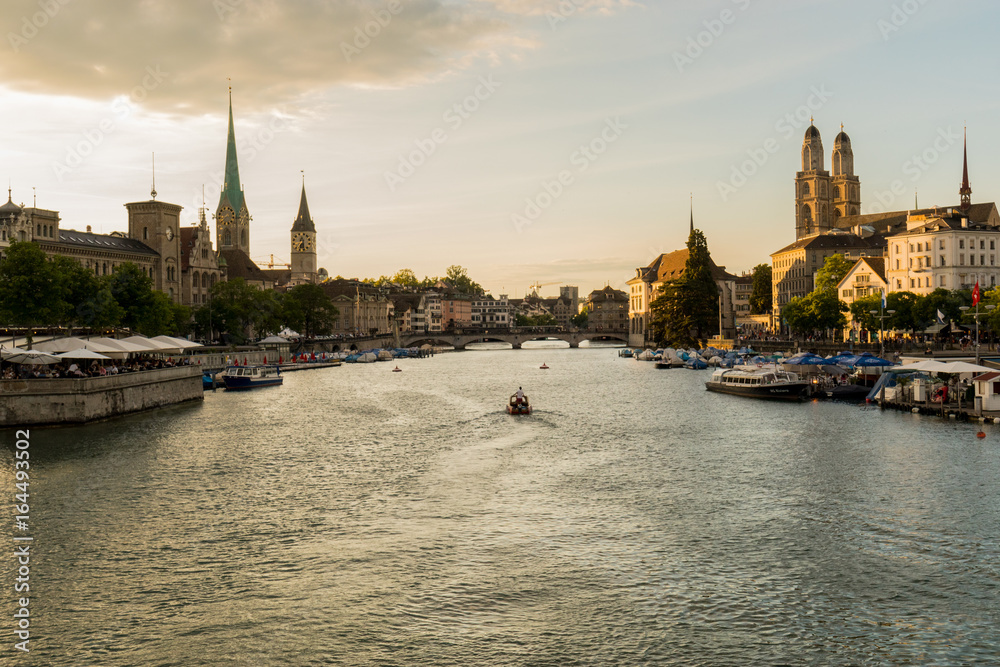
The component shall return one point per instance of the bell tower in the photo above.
(232, 219)
(303, 253)
(812, 188)
(846, 194)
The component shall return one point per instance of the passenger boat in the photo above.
(758, 383)
(251, 377)
(515, 408)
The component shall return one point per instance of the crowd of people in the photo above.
(70, 369)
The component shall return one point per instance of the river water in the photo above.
(357, 516)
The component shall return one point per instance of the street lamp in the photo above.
(989, 307)
(881, 326)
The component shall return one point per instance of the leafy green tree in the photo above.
(309, 310)
(762, 295)
(406, 278)
(235, 308)
(459, 278)
(816, 311)
(832, 272)
(542, 320)
(907, 307)
(133, 289)
(688, 307)
(31, 292)
(157, 316)
(100, 310)
(861, 311)
(580, 319)
(947, 301)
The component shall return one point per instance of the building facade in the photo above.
(490, 313)
(607, 310)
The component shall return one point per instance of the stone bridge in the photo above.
(516, 337)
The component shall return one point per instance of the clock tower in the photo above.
(232, 220)
(157, 225)
(303, 244)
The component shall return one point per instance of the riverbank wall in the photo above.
(40, 401)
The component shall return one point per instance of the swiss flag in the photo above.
(975, 294)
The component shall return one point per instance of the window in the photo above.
(961, 244)
(941, 244)
(940, 281)
(911, 247)
(145, 233)
(899, 284)
(982, 260)
(961, 260)
(897, 264)
(805, 188)
(993, 244)
(982, 244)
(942, 261)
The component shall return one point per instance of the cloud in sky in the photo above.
(274, 51)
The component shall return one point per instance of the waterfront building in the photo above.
(944, 249)
(649, 280)
(794, 267)
(173, 257)
(456, 309)
(865, 278)
(362, 307)
(490, 313)
(571, 294)
(742, 318)
(607, 310)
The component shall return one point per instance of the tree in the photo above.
(406, 278)
(31, 292)
(580, 319)
(817, 311)
(309, 310)
(459, 278)
(861, 311)
(832, 272)
(688, 307)
(132, 288)
(239, 309)
(762, 295)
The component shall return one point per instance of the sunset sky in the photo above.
(430, 140)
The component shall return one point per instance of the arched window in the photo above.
(836, 192)
(227, 238)
(243, 237)
(204, 280)
(806, 158)
(213, 279)
(145, 233)
(39, 230)
(194, 279)
(806, 214)
(104, 268)
(836, 214)
(805, 189)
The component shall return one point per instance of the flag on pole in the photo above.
(975, 294)
(883, 299)
(940, 316)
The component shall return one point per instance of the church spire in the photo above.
(691, 230)
(965, 192)
(231, 187)
(303, 221)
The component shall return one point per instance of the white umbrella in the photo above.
(8, 351)
(33, 358)
(66, 344)
(182, 343)
(81, 354)
(122, 345)
(151, 345)
(962, 367)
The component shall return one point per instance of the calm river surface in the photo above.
(357, 516)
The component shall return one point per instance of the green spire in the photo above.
(231, 189)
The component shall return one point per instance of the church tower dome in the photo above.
(846, 187)
(812, 188)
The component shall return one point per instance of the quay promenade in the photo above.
(38, 401)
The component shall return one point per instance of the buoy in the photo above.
(915, 410)
(543, 365)
(980, 435)
(397, 369)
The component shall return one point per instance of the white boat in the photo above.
(758, 383)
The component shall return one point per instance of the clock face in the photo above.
(226, 216)
(170, 233)
(302, 243)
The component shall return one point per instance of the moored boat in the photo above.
(758, 383)
(252, 377)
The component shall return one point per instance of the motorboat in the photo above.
(518, 406)
(252, 377)
(758, 383)
(207, 381)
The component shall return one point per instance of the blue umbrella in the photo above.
(871, 361)
(843, 359)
